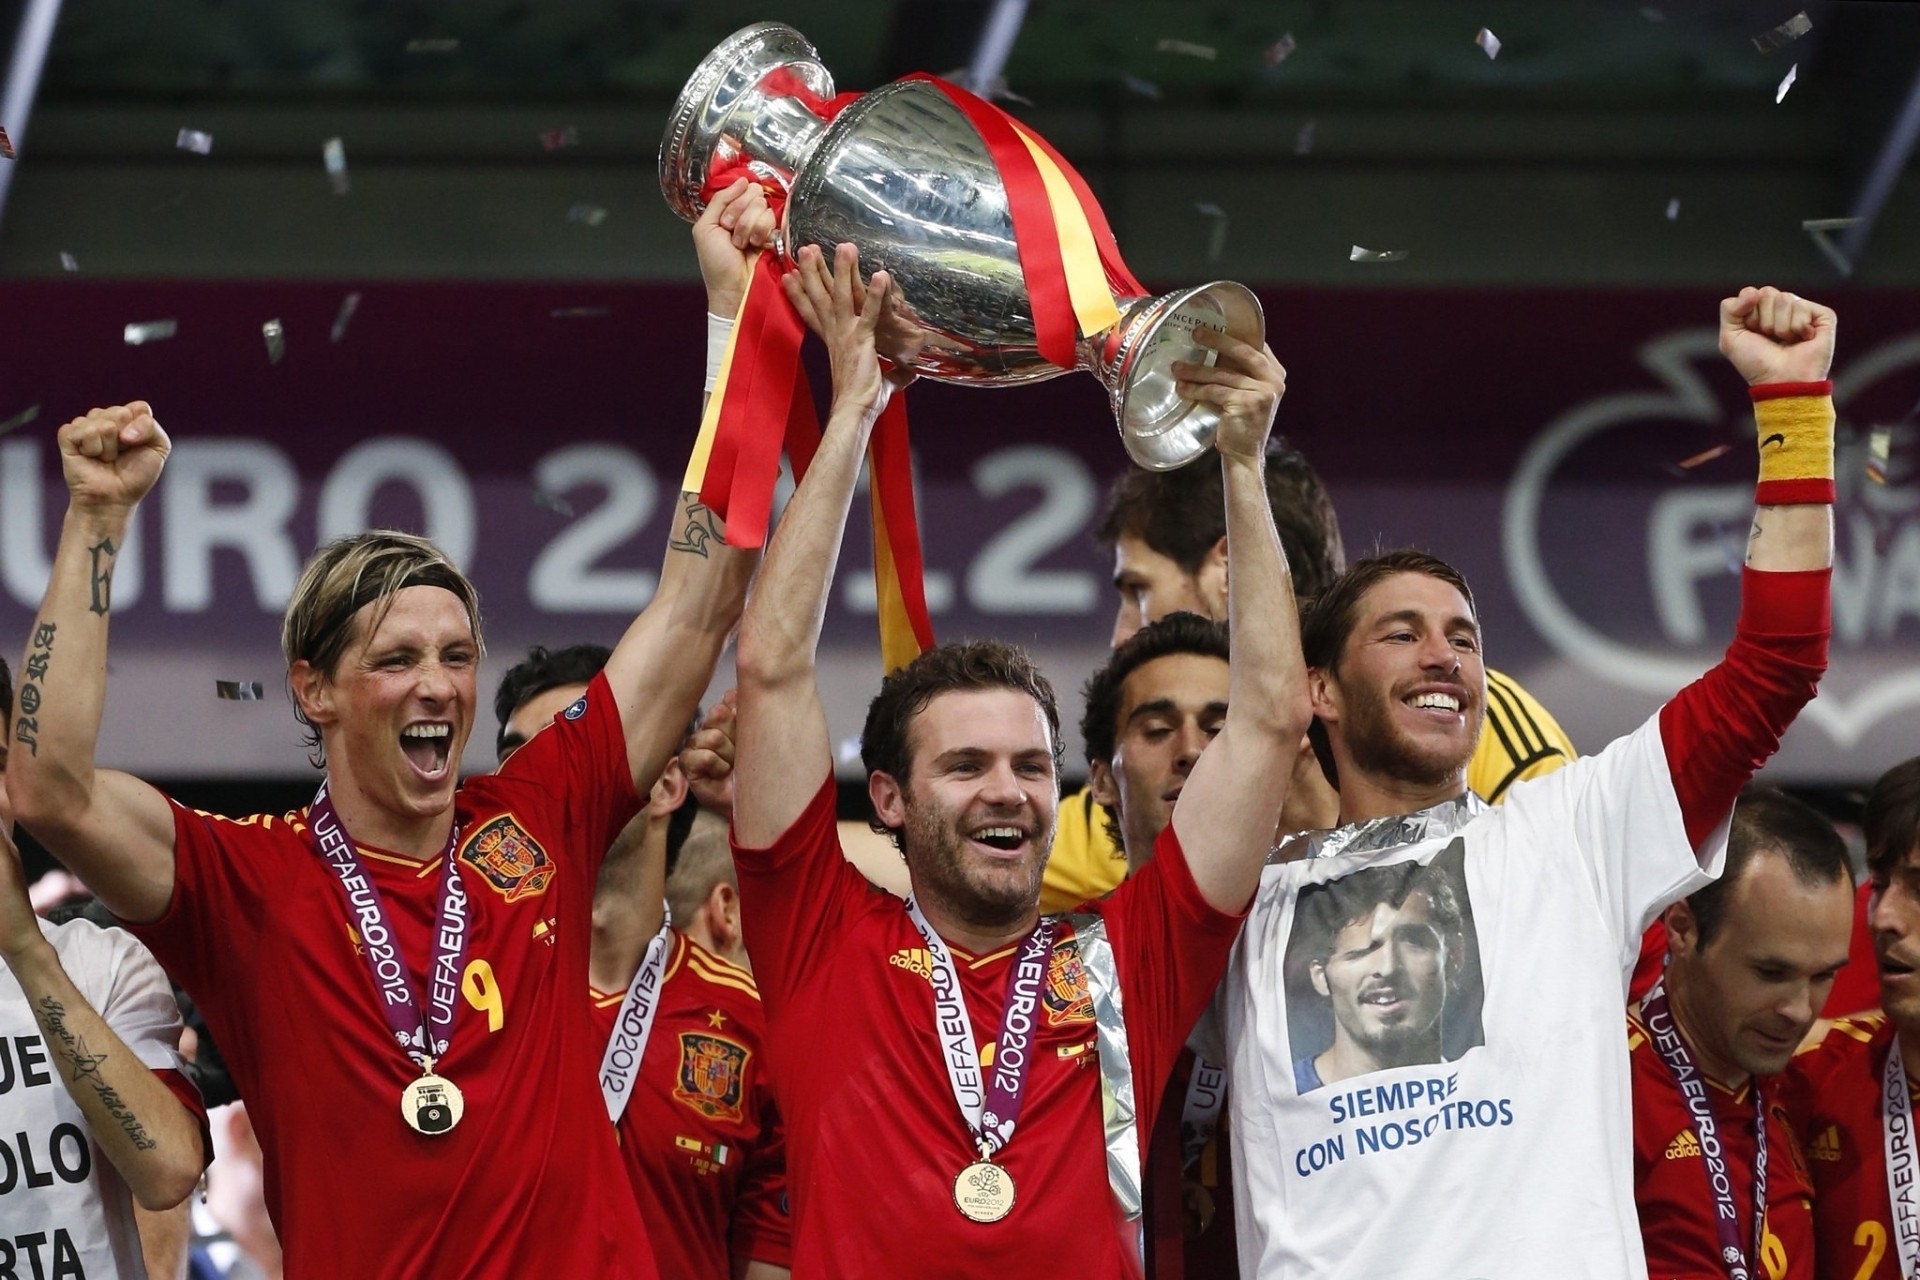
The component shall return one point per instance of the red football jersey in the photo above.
(1833, 1092)
(874, 1136)
(530, 1181)
(1190, 1212)
(1670, 1176)
(701, 1135)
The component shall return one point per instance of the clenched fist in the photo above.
(112, 457)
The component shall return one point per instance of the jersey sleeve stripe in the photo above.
(1504, 709)
(1519, 771)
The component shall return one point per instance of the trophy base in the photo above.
(1161, 431)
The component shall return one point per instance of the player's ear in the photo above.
(1212, 579)
(670, 792)
(312, 693)
(1322, 694)
(1683, 930)
(1101, 782)
(888, 797)
(1317, 974)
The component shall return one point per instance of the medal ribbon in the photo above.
(1693, 1093)
(1897, 1126)
(424, 1032)
(628, 1043)
(1200, 1114)
(991, 1107)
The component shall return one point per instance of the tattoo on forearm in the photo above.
(701, 527)
(26, 730)
(84, 1066)
(103, 553)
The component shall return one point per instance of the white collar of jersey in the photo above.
(1389, 831)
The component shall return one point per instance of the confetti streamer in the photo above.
(150, 331)
(6, 146)
(556, 139)
(240, 690)
(1489, 42)
(1217, 234)
(1280, 50)
(68, 262)
(1188, 48)
(1303, 141)
(1784, 34)
(1704, 456)
(1780, 94)
(1879, 452)
(20, 419)
(1673, 209)
(195, 141)
(553, 502)
(433, 44)
(1834, 253)
(1829, 224)
(1145, 88)
(276, 340)
(591, 214)
(334, 152)
(1377, 255)
(579, 313)
(348, 305)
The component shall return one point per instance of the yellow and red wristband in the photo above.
(1794, 428)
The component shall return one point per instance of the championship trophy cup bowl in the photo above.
(903, 175)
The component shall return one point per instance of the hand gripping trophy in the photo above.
(999, 254)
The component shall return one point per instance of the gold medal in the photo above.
(432, 1104)
(1196, 1209)
(983, 1192)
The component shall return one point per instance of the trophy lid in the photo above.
(720, 99)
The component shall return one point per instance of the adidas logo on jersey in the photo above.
(1684, 1146)
(914, 960)
(1827, 1145)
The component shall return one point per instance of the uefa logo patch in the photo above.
(578, 709)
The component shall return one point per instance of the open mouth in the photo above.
(1437, 703)
(1384, 999)
(426, 747)
(1001, 839)
(1891, 968)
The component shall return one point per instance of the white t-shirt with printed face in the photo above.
(1482, 956)
(63, 1207)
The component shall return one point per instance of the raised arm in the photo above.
(150, 1136)
(783, 753)
(115, 831)
(1228, 810)
(1720, 729)
(664, 662)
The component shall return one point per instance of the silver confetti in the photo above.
(1780, 94)
(195, 141)
(1829, 224)
(348, 305)
(68, 262)
(579, 313)
(1188, 48)
(555, 139)
(1834, 253)
(20, 419)
(1377, 255)
(1489, 42)
(1145, 88)
(1673, 209)
(1303, 141)
(334, 152)
(1784, 34)
(240, 690)
(553, 502)
(591, 214)
(1879, 452)
(1280, 50)
(151, 331)
(276, 340)
(1217, 235)
(433, 44)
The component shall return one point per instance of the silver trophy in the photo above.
(902, 175)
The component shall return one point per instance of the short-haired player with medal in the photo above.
(395, 973)
(967, 1083)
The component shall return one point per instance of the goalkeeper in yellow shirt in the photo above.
(1168, 537)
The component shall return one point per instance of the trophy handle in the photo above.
(1133, 361)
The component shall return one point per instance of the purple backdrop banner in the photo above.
(538, 432)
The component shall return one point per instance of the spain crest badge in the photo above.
(1067, 997)
(511, 860)
(713, 1073)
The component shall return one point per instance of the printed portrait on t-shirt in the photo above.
(1383, 971)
